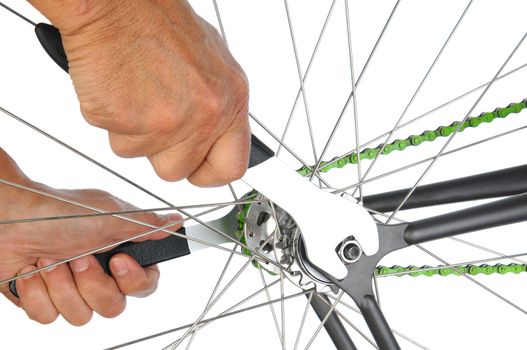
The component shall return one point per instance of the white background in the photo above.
(441, 313)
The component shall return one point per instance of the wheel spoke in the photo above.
(278, 237)
(311, 59)
(376, 288)
(17, 14)
(216, 286)
(282, 309)
(324, 320)
(301, 80)
(480, 247)
(302, 323)
(220, 22)
(354, 91)
(271, 307)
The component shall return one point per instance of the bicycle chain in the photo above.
(469, 269)
(416, 140)
(401, 145)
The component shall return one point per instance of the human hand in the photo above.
(162, 82)
(76, 289)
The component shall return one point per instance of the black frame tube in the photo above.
(502, 212)
(500, 183)
(377, 323)
(336, 331)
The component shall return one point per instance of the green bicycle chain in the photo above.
(472, 270)
(416, 140)
(401, 145)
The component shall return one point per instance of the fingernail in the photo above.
(45, 262)
(119, 267)
(79, 265)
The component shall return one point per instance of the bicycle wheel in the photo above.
(417, 68)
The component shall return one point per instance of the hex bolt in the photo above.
(350, 251)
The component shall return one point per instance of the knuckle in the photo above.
(91, 114)
(117, 116)
(119, 147)
(123, 146)
(212, 104)
(165, 169)
(103, 198)
(241, 86)
(164, 119)
(166, 174)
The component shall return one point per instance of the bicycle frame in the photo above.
(507, 182)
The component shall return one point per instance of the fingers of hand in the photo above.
(34, 297)
(75, 291)
(131, 278)
(227, 159)
(98, 289)
(64, 294)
